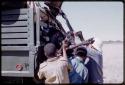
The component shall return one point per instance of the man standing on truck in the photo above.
(55, 69)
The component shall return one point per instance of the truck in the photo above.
(20, 42)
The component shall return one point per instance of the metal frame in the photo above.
(15, 11)
(38, 26)
(37, 16)
(31, 43)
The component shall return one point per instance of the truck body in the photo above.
(19, 42)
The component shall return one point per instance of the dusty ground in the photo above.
(113, 62)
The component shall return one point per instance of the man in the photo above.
(94, 62)
(94, 51)
(79, 73)
(55, 69)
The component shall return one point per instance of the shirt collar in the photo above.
(52, 59)
(79, 58)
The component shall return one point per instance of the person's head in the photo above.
(50, 50)
(69, 52)
(43, 15)
(81, 52)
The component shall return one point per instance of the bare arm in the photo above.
(64, 50)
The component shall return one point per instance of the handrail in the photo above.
(37, 26)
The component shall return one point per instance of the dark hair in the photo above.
(69, 52)
(81, 51)
(50, 49)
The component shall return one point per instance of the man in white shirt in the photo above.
(55, 69)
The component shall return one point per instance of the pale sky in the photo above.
(103, 20)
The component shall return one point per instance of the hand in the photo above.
(64, 44)
(91, 40)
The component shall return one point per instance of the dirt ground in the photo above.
(113, 63)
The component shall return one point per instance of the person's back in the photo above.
(94, 62)
(55, 69)
(94, 51)
(94, 70)
(95, 54)
(79, 72)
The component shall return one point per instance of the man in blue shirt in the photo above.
(79, 73)
(94, 73)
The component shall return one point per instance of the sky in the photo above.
(103, 20)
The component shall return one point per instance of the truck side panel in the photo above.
(17, 37)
